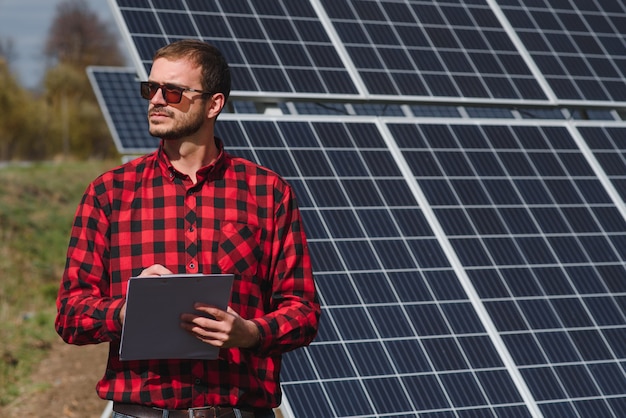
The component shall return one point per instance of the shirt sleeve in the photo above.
(86, 314)
(294, 321)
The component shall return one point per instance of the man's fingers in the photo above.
(155, 270)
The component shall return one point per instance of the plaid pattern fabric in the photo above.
(238, 218)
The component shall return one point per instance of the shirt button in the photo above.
(197, 381)
(192, 266)
(191, 229)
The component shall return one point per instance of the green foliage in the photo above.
(64, 119)
(36, 211)
(20, 119)
(77, 125)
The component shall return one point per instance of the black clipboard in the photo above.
(151, 328)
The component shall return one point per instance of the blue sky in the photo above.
(27, 23)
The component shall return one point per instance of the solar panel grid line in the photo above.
(509, 233)
(187, 13)
(547, 33)
(598, 169)
(464, 52)
(506, 233)
(343, 53)
(288, 411)
(466, 283)
(244, 56)
(512, 33)
(586, 57)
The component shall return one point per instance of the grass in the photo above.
(37, 204)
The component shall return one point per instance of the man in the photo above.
(190, 207)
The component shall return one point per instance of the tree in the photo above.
(20, 122)
(78, 37)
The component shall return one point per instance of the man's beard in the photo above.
(185, 125)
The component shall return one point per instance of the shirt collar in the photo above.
(208, 172)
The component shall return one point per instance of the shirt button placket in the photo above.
(191, 232)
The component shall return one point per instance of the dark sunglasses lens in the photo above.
(172, 94)
(148, 90)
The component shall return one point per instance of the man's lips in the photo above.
(158, 114)
(159, 110)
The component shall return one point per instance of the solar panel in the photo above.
(606, 143)
(578, 45)
(540, 239)
(349, 48)
(470, 260)
(399, 334)
(117, 91)
(537, 235)
(432, 49)
(278, 46)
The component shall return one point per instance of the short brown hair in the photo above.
(215, 71)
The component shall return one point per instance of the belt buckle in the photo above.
(204, 412)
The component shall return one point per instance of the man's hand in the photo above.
(154, 270)
(223, 329)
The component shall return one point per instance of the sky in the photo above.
(27, 23)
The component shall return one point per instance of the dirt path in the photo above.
(64, 384)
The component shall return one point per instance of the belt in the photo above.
(140, 411)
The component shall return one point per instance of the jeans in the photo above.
(270, 414)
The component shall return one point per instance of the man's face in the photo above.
(172, 121)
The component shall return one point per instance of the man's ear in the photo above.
(216, 104)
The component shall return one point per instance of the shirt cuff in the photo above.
(265, 340)
(115, 325)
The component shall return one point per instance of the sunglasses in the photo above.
(171, 94)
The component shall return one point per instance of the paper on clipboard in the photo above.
(151, 328)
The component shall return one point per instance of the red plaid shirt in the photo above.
(239, 218)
